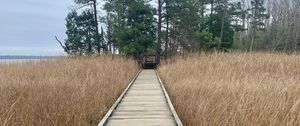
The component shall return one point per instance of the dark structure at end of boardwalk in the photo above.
(149, 62)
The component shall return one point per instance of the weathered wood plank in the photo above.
(137, 113)
(141, 122)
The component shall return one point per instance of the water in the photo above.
(24, 59)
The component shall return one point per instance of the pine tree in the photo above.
(131, 25)
(73, 44)
(185, 22)
(95, 17)
(81, 33)
(221, 25)
(258, 16)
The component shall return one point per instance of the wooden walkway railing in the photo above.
(145, 102)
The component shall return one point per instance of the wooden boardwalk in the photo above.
(144, 103)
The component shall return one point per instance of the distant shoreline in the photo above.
(24, 59)
(30, 57)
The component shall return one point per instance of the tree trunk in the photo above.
(202, 13)
(222, 32)
(211, 13)
(222, 24)
(297, 31)
(296, 41)
(167, 29)
(159, 32)
(62, 45)
(96, 24)
(89, 42)
(102, 38)
(109, 36)
(252, 40)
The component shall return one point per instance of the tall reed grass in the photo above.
(66, 92)
(238, 89)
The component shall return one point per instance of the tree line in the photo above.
(168, 27)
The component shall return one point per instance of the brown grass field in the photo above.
(67, 92)
(238, 89)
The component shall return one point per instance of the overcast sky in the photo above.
(28, 27)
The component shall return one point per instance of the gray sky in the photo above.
(28, 27)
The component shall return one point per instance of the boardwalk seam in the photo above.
(174, 113)
(115, 105)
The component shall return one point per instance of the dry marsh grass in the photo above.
(75, 91)
(237, 89)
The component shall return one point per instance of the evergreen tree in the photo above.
(140, 28)
(115, 22)
(73, 44)
(237, 16)
(185, 21)
(221, 25)
(95, 17)
(131, 25)
(258, 16)
(81, 33)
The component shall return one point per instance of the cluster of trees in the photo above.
(129, 28)
(167, 27)
(278, 32)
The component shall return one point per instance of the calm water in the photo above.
(24, 59)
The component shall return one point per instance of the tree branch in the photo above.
(79, 7)
(61, 44)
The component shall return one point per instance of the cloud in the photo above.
(29, 26)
